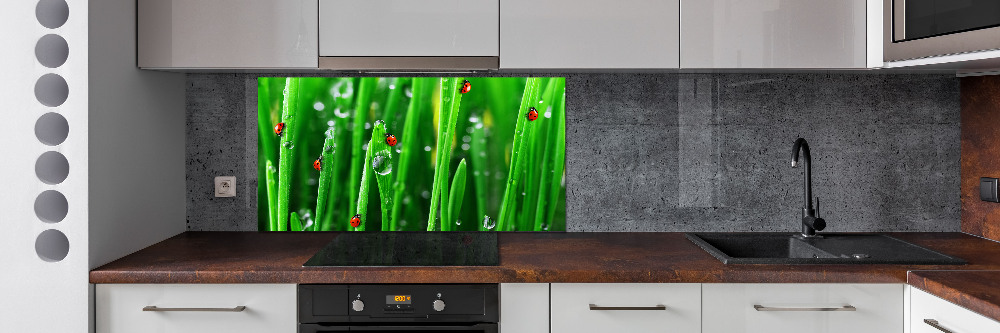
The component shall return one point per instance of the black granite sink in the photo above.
(787, 249)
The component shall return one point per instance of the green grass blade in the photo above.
(510, 194)
(408, 145)
(296, 222)
(449, 104)
(456, 196)
(559, 160)
(361, 109)
(271, 180)
(480, 168)
(375, 146)
(547, 174)
(381, 164)
(267, 153)
(325, 182)
(287, 154)
(392, 102)
(533, 174)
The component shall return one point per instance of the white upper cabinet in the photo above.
(582, 34)
(406, 28)
(223, 34)
(779, 33)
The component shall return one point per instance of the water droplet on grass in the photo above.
(340, 113)
(319, 106)
(288, 145)
(488, 223)
(458, 222)
(382, 163)
(427, 148)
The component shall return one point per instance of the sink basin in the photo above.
(786, 248)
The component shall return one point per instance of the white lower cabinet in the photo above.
(626, 307)
(524, 307)
(802, 308)
(930, 314)
(196, 308)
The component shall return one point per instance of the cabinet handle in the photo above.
(759, 307)
(629, 308)
(935, 324)
(233, 309)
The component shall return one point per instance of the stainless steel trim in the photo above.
(934, 323)
(963, 42)
(759, 307)
(158, 309)
(627, 308)
(410, 63)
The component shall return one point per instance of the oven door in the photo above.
(472, 328)
(927, 28)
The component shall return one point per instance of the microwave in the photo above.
(916, 29)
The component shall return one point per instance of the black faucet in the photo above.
(810, 222)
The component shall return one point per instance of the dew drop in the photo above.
(458, 222)
(382, 163)
(368, 125)
(340, 113)
(427, 148)
(408, 92)
(488, 223)
(319, 106)
(425, 194)
(288, 145)
(465, 146)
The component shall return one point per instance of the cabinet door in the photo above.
(589, 34)
(227, 34)
(925, 307)
(406, 28)
(626, 307)
(773, 34)
(268, 308)
(802, 308)
(524, 308)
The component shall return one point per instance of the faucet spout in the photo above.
(810, 222)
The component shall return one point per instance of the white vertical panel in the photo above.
(568, 34)
(948, 315)
(137, 183)
(524, 307)
(774, 34)
(40, 296)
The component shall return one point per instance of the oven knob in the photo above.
(438, 305)
(358, 305)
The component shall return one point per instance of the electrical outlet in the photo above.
(225, 186)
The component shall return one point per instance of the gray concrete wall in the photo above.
(682, 152)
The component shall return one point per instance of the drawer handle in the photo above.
(759, 307)
(935, 324)
(628, 308)
(233, 309)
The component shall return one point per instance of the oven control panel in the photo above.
(399, 303)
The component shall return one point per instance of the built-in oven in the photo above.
(927, 28)
(387, 308)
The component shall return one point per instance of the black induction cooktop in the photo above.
(402, 248)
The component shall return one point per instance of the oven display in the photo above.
(397, 299)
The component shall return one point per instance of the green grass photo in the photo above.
(411, 154)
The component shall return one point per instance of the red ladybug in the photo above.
(356, 220)
(532, 114)
(390, 140)
(318, 164)
(466, 86)
(279, 129)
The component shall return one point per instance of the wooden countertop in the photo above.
(978, 291)
(273, 257)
